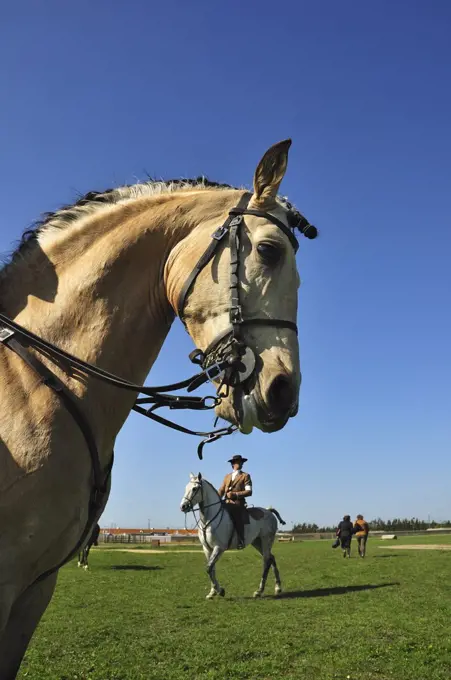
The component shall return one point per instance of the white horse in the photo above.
(217, 533)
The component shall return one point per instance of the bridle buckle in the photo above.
(236, 314)
(219, 233)
(5, 333)
(214, 371)
(236, 221)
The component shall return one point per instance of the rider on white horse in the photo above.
(217, 532)
(236, 487)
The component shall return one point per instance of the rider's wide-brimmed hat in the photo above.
(237, 459)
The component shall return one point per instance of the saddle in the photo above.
(241, 512)
(256, 513)
(240, 516)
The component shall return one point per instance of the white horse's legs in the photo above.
(207, 554)
(23, 619)
(211, 571)
(267, 560)
(264, 545)
(278, 587)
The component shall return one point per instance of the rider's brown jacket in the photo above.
(237, 487)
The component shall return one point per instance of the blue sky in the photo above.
(96, 94)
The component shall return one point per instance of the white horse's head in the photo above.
(193, 493)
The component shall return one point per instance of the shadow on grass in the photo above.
(326, 592)
(381, 557)
(133, 567)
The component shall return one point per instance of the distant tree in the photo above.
(378, 524)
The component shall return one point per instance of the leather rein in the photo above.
(227, 359)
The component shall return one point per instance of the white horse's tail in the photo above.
(274, 512)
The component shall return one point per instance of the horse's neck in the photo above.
(211, 501)
(97, 290)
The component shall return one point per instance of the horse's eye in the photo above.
(269, 252)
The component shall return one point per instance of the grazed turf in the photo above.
(139, 616)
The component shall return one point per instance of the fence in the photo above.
(151, 539)
(140, 537)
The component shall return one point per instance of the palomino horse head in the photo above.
(193, 493)
(268, 284)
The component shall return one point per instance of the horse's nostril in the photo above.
(281, 395)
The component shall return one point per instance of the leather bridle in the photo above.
(227, 359)
(199, 484)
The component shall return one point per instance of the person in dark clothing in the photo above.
(344, 532)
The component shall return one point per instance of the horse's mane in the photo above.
(211, 486)
(89, 203)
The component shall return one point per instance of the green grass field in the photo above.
(139, 616)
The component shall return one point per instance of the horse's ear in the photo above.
(270, 172)
(192, 475)
(199, 476)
